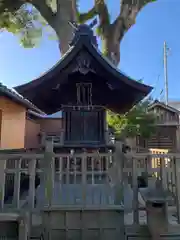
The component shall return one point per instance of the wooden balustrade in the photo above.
(58, 138)
(86, 170)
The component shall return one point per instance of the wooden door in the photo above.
(84, 127)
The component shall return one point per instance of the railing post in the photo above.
(32, 175)
(49, 171)
(43, 138)
(24, 227)
(17, 179)
(3, 181)
(135, 192)
(62, 138)
(23, 233)
(84, 177)
(163, 173)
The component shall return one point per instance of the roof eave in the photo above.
(21, 102)
(142, 88)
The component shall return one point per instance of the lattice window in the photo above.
(84, 93)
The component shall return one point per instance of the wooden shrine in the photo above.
(83, 84)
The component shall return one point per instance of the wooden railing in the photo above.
(56, 138)
(72, 173)
(82, 180)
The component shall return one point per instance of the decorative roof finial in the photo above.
(73, 25)
(83, 30)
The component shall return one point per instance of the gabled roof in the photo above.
(156, 103)
(83, 42)
(72, 53)
(15, 97)
(174, 104)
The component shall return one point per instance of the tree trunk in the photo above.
(111, 33)
(66, 12)
(111, 46)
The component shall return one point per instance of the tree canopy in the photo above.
(137, 122)
(29, 18)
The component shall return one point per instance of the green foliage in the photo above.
(138, 121)
(26, 23)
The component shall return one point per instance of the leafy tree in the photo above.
(30, 18)
(138, 121)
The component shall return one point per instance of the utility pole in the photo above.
(165, 73)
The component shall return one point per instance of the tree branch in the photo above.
(103, 13)
(83, 17)
(129, 10)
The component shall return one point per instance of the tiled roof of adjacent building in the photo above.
(175, 104)
(15, 97)
(171, 107)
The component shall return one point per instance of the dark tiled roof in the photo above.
(15, 97)
(125, 92)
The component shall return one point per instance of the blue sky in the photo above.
(141, 49)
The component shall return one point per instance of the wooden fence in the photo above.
(79, 177)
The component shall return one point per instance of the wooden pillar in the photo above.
(68, 169)
(22, 231)
(48, 171)
(23, 228)
(17, 179)
(163, 173)
(177, 173)
(177, 181)
(61, 170)
(84, 177)
(62, 134)
(135, 192)
(106, 133)
(32, 175)
(43, 138)
(2, 181)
